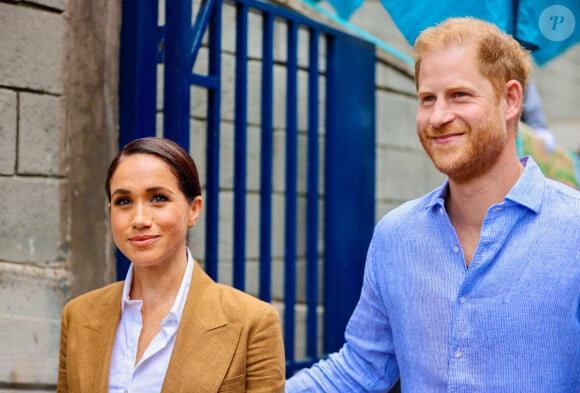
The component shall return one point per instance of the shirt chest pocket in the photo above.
(234, 384)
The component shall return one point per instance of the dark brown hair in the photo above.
(181, 164)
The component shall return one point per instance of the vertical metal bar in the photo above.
(240, 145)
(291, 189)
(213, 143)
(266, 157)
(177, 71)
(312, 197)
(138, 70)
(137, 80)
(202, 20)
(350, 132)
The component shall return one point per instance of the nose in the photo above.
(441, 114)
(141, 216)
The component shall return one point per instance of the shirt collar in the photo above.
(179, 303)
(436, 198)
(528, 190)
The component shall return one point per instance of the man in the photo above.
(474, 287)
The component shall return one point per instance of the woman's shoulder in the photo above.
(234, 298)
(97, 297)
(235, 303)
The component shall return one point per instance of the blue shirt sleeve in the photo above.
(366, 362)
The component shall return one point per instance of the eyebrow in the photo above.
(150, 190)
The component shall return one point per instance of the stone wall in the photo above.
(33, 280)
(57, 129)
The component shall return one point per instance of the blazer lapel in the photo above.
(205, 342)
(98, 335)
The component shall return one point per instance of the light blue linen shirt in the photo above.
(508, 323)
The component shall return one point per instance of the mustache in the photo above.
(446, 129)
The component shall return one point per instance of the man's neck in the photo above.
(470, 200)
(467, 202)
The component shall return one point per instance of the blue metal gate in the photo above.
(342, 151)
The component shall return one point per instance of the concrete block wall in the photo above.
(57, 127)
(559, 85)
(33, 277)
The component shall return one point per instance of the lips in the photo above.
(447, 138)
(143, 240)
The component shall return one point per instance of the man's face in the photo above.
(459, 119)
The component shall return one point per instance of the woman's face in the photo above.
(149, 213)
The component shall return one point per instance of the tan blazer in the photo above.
(227, 341)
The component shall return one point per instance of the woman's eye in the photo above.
(158, 198)
(121, 201)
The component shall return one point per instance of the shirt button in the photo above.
(456, 249)
(441, 210)
(462, 300)
(457, 354)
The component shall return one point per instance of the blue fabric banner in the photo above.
(546, 27)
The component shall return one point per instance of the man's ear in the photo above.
(514, 98)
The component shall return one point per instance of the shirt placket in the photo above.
(462, 358)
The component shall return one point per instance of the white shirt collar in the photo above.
(178, 304)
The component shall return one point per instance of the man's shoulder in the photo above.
(412, 210)
(563, 191)
(561, 197)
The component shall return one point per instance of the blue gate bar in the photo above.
(240, 145)
(312, 197)
(138, 66)
(350, 132)
(209, 82)
(206, 10)
(291, 189)
(213, 143)
(137, 81)
(289, 15)
(266, 159)
(177, 97)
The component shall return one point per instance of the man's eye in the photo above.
(158, 198)
(460, 94)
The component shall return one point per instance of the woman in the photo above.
(168, 327)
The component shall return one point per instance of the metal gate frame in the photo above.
(349, 166)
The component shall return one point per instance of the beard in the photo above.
(475, 155)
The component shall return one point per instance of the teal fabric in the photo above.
(546, 27)
(551, 26)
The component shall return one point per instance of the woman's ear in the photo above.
(195, 210)
(514, 98)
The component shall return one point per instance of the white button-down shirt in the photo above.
(147, 376)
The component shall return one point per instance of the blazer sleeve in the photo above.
(266, 364)
(62, 382)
